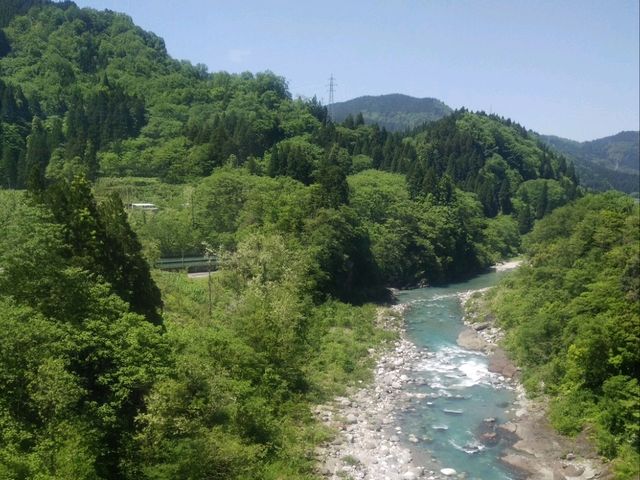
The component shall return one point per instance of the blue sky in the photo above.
(568, 68)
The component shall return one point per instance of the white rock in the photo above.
(448, 471)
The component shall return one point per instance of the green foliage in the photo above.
(504, 155)
(91, 390)
(235, 402)
(424, 239)
(572, 320)
(99, 238)
(295, 157)
(100, 381)
(76, 362)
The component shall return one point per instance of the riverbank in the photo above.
(537, 450)
(369, 445)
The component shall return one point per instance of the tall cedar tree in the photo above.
(101, 241)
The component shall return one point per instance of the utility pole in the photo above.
(332, 86)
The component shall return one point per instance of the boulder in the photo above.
(489, 438)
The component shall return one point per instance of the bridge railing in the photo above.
(190, 264)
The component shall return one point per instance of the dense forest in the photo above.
(572, 321)
(111, 369)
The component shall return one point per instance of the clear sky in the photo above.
(568, 67)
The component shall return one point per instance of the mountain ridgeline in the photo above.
(395, 112)
(110, 370)
(609, 162)
(89, 90)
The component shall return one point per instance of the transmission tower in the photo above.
(332, 87)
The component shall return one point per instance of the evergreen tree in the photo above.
(571, 173)
(332, 178)
(55, 134)
(8, 106)
(543, 201)
(100, 240)
(76, 128)
(430, 181)
(445, 190)
(525, 219)
(545, 167)
(504, 197)
(13, 151)
(37, 156)
(125, 267)
(5, 46)
(349, 122)
(274, 167)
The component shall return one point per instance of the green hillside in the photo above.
(89, 91)
(571, 317)
(112, 370)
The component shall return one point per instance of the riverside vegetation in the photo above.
(572, 322)
(111, 370)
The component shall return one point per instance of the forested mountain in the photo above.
(609, 162)
(395, 112)
(89, 91)
(619, 152)
(112, 371)
(92, 88)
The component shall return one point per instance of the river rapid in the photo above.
(433, 408)
(455, 401)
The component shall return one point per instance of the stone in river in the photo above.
(448, 472)
(489, 438)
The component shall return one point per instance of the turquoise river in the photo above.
(456, 393)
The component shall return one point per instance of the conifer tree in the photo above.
(543, 201)
(332, 177)
(100, 240)
(37, 156)
(504, 197)
(525, 219)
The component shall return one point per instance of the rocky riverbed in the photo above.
(538, 450)
(369, 445)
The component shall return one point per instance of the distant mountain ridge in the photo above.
(608, 162)
(619, 152)
(395, 112)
